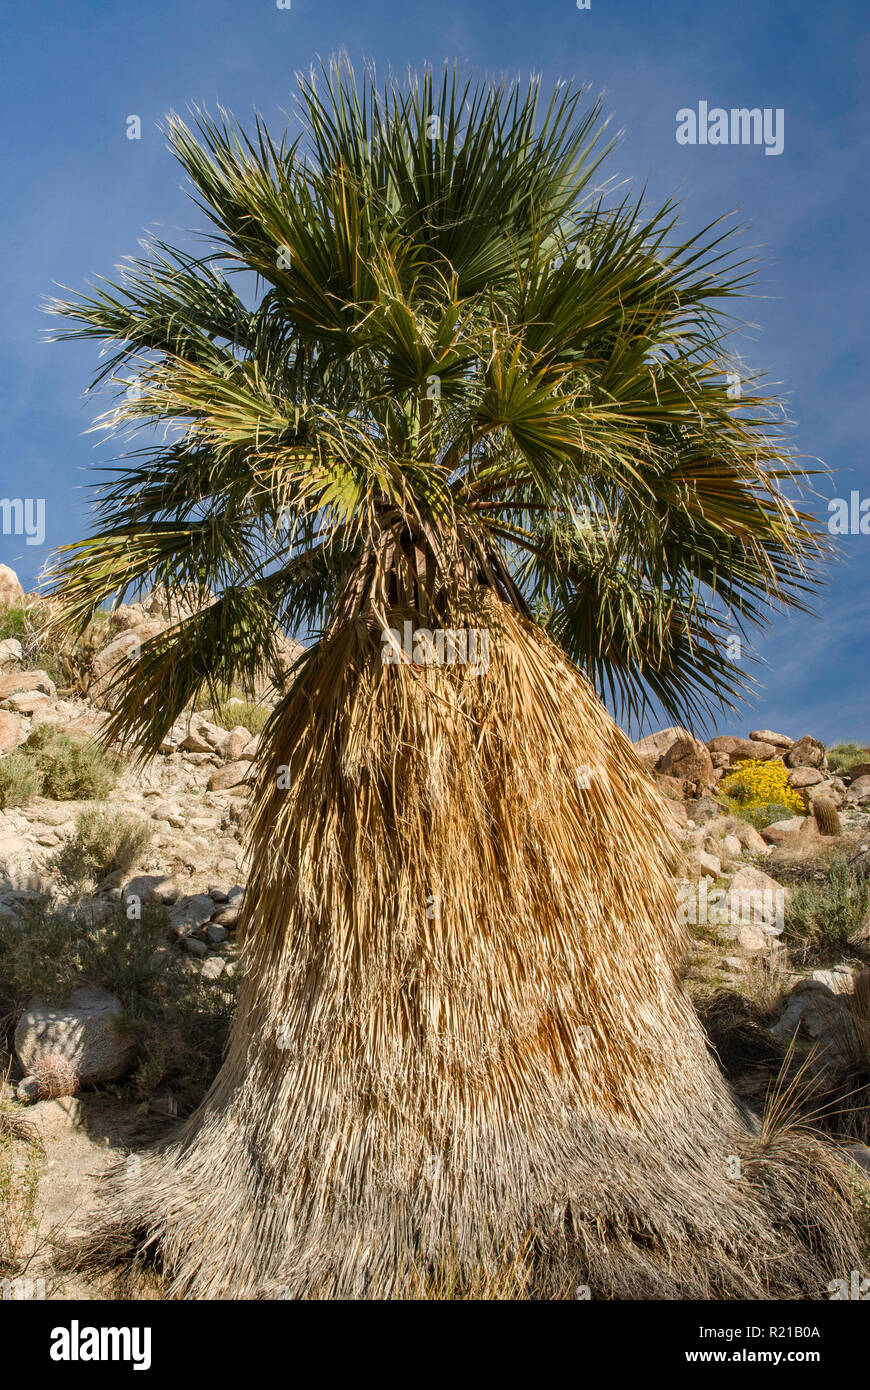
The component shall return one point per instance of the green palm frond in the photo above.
(445, 347)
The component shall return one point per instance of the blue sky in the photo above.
(79, 194)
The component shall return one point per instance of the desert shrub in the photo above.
(242, 712)
(178, 1020)
(842, 757)
(823, 916)
(47, 949)
(70, 768)
(103, 840)
(19, 779)
(759, 792)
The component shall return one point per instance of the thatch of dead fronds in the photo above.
(461, 1046)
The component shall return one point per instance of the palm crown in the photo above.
(447, 359)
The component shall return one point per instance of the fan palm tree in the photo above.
(465, 421)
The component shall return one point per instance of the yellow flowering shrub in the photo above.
(760, 791)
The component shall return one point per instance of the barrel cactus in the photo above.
(826, 817)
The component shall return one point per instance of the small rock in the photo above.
(733, 962)
(27, 1090)
(234, 744)
(27, 702)
(781, 831)
(228, 916)
(11, 592)
(203, 736)
(167, 890)
(818, 1013)
(231, 775)
(13, 731)
(750, 839)
(195, 947)
(753, 940)
(212, 969)
(804, 776)
(216, 934)
(756, 899)
(191, 913)
(708, 863)
(807, 752)
(731, 845)
(768, 736)
(11, 652)
(704, 811)
(143, 887)
(741, 749)
(27, 681)
(859, 791)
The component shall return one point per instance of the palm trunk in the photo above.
(462, 1058)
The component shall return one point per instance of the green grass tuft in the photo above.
(842, 757)
(244, 713)
(823, 915)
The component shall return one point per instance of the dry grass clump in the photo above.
(21, 1160)
(737, 1032)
